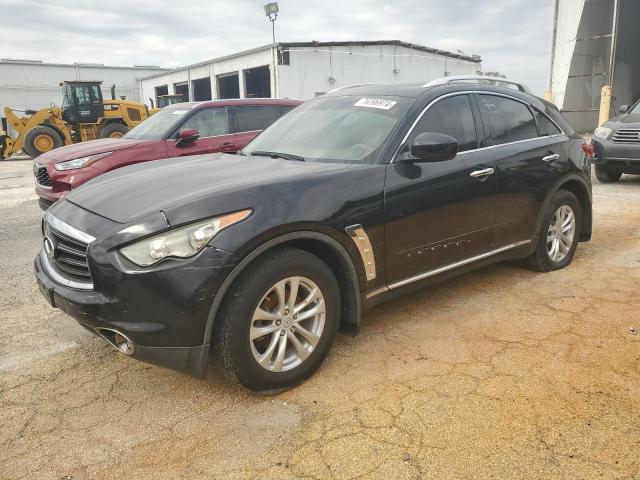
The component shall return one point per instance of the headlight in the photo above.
(181, 242)
(80, 162)
(602, 132)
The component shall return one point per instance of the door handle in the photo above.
(551, 158)
(482, 173)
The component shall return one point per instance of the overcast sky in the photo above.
(512, 36)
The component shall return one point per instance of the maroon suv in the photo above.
(176, 130)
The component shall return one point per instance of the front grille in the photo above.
(42, 176)
(626, 135)
(69, 255)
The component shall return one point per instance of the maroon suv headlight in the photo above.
(80, 162)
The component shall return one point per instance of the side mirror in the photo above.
(623, 109)
(433, 147)
(186, 136)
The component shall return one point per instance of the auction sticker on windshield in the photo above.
(375, 103)
(178, 112)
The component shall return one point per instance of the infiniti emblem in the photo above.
(49, 247)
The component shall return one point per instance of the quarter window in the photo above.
(509, 120)
(545, 126)
(252, 118)
(210, 122)
(451, 116)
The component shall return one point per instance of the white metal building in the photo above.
(595, 43)
(27, 84)
(306, 70)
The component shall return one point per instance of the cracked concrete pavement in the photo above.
(502, 373)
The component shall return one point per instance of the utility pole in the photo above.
(271, 11)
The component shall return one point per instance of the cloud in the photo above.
(512, 36)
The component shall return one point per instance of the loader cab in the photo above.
(82, 102)
(164, 100)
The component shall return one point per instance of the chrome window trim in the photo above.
(446, 268)
(488, 147)
(59, 278)
(67, 229)
(363, 244)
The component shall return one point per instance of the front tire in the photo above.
(607, 176)
(278, 320)
(41, 139)
(113, 130)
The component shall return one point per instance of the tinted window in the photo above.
(545, 126)
(451, 116)
(255, 118)
(509, 120)
(209, 122)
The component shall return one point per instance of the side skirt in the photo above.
(452, 269)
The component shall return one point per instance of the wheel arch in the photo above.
(578, 186)
(328, 250)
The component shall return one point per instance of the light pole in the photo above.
(271, 11)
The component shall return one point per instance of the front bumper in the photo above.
(62, 182)
(617, 157)
(163, 311)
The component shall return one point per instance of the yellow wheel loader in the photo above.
(164, 100)
(84, 115)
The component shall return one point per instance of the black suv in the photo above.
(617, 145)
(353, 198)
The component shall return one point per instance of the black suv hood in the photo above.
(192, 187)
(624, 121)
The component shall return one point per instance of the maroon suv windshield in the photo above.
(158, 125)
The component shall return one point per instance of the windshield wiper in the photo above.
(285, 156)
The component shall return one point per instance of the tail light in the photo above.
(589, 150)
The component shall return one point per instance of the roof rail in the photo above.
(353, 86)
(476, 79)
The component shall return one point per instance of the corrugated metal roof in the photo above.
(414, 46)
(39, 63)
(399, 43)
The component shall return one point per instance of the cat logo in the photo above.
(110, 107)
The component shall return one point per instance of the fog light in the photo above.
(123, 344)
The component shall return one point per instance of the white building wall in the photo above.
(36, 85)
(313, 71)
(568, 21)
(231, 64)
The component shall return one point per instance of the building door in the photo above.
(201, 89)
(228, 86)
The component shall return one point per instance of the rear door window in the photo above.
(251, 118)
(509, 120)
(545, 126)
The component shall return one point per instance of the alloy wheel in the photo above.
(287, 324)
(560, 234)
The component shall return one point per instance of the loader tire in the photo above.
(41, 139)
(114, 130)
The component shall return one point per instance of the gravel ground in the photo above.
(502, 373)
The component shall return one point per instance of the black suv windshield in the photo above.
(349, 129)
(158, 125)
